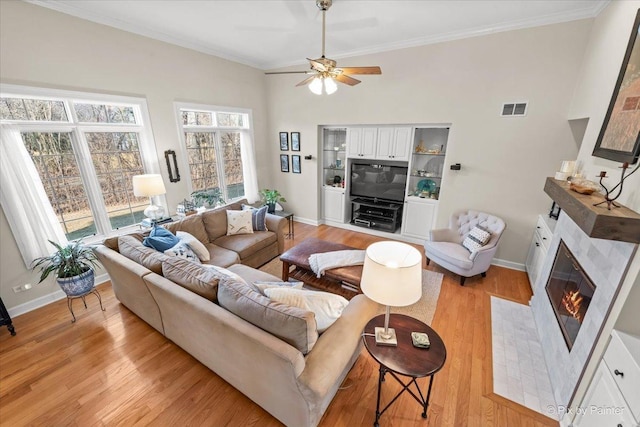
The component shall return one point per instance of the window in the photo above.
(86, 148)
(213, 138)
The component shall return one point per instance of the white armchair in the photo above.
(445, 248)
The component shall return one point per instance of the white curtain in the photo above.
(249, 171)
(24, 200)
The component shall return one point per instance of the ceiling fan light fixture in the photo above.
(316, 86)
(330, 85)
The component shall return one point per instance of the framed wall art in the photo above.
(295, 141)
(284, 162)
(284, 141)
(295, 164)
(619, 138)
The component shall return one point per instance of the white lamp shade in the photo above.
(316, 86)
(392, 274)
(148, 185)
(330, 85)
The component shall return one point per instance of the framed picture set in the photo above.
(619, 138)
(284, 141)
(295, 141)
(284, 162)
(295, 164)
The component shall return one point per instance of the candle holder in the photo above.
(609, 199)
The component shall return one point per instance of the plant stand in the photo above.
(71, 298)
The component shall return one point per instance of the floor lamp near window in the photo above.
(392, 276)
(150, 185)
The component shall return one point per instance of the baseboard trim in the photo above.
(508, 264)
(306, 221)
(47, 299)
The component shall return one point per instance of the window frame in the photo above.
(82, 154)
(246, 129)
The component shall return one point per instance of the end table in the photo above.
(289, 217)
(5, 319)
(405, 359)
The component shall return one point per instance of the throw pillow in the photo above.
(160, 239)
(132, 248)
(239, 222)
(293, 325)
(476, 239)
(195, 245)
(326, 306)
(258, 217)
(182, 250)
(201, 279)
(268, 285)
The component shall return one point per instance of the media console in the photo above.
(371, 213)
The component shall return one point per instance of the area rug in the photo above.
(422, 310)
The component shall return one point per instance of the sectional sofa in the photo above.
(269, 351)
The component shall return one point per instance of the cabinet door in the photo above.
(386, 144)
(369, 141)
(418, 219)
(402, 143)
(533, 263)
(333, 205)
(354, 142)
(603, 405)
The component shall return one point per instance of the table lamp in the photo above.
(392, 276)
(149, 185)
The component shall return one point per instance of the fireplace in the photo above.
(570, 291)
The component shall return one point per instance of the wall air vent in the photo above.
(514, 109)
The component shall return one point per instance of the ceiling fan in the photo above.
(324, 72)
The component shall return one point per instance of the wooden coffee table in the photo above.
(343, 281)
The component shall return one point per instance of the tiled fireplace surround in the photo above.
(606, 263)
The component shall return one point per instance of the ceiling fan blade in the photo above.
(316, 65)
(290, 72)
(343, 78)
(306, 81)
(360, 70)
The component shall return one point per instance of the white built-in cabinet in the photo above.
(422, 149)
(613, 397)
(539, 246)
(362, 142)
(333, 204)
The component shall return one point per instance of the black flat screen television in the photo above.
(378, 180)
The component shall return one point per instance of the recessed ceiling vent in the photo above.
(514, 109)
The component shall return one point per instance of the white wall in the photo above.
(607, 45)
(40, 47)
(464, 82)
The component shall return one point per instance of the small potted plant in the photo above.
(270, 198)
(72, 265)
(212, 197)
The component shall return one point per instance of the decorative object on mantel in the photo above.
(583, 186)
(620, 224)
(170, 154)
(607, 197)
(619, 138)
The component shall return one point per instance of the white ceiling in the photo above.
(270, 34)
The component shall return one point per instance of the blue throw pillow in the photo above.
(160, 239)
(258, 217)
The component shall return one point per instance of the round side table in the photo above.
(405, 359)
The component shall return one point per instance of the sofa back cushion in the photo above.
(131, 247)
(201, 279)
(193, 225)
(215, 220)
(112, 242)
(293, 325)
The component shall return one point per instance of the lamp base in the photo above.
(386, 339)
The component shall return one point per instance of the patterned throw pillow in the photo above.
(182, 250)
(476, 239)
(259, 217)
(195, 245)
(239, 222)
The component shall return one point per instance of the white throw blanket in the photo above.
(328, 260)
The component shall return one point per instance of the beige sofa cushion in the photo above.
(193, 225)
(201, 279)
(293, 325)
(112, 242)
(246, 245)
(221, 256)
(133, 249)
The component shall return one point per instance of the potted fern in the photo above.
(212, 197)
(270, 198)
(72, 265)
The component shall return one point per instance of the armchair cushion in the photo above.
(453, 253)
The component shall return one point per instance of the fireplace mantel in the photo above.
(621, 224)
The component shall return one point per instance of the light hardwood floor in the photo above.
(111, 368)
